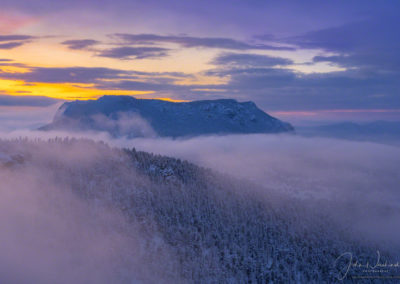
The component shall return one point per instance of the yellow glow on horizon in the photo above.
(61, 91)
(70, 91)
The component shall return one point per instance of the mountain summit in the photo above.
(131, 117)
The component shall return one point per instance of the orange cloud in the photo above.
(61, 91)
(171, 100)
(69, 91)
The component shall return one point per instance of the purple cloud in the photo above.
(11, 45)
(36, 101)
(80, 43)
(13, 41)
(240, 59)
(15, 37)
(66, 75)
(190, 41)
(127, 52)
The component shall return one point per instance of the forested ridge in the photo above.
(216, 229)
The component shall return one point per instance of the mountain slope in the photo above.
(127, 116)
(193, 224)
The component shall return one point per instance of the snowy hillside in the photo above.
(127, 116)
(180, 223)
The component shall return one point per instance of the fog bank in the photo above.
(355, 182)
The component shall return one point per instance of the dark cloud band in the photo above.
(80, 44)
(190, 41)
(127, 52)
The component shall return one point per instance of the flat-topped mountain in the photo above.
(131, 117)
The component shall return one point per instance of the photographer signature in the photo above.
(378, 266)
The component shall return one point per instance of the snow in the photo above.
(215, 231)
(167, 118)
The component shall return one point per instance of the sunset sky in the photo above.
(292, 58)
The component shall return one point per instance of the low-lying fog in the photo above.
(356, 183)
(361, 180)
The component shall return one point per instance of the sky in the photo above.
(294, 59)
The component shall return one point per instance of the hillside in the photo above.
(183, 223)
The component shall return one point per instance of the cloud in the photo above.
(53, 234)
(371, 43)
(95, 75)
(104, 78)
(6, 100)
(255, 60)
(348, 176)
(271, 88)
(141, 52)
(190, 41)
(66, 75)
(80, 44)
(121, 124)
(15, 37)
(370, 58)
(359, 35)
(11, 45)
(163, 85)
(368, 51)
(127, 52)
(10, 62)
(13, 41)
(126, 124)
(341, 177)
(22, 117)
(369, 81)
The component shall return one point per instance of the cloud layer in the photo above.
(191, 41)
(357, 179)
(51, 234)
(134, 52)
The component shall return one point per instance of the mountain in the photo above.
(131, 117)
